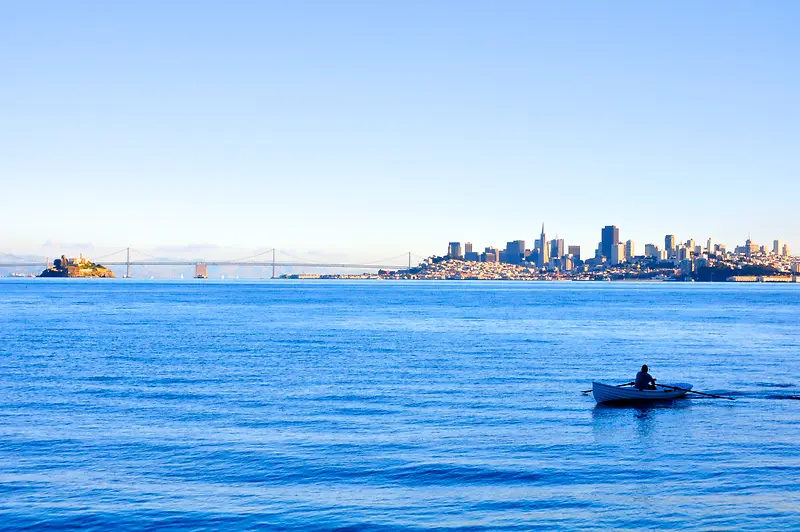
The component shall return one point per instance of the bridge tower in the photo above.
(273, 263)
(128, 264)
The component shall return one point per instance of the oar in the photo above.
(618, 386)
(699, 393)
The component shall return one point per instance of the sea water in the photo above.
(315, 405)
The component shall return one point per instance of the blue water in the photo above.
(394, 406)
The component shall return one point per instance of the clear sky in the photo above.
(392, 126)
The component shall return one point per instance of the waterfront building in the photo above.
(575, 251)
(617, 254)
(454, 250)
(630, 250)
(609, 237)
(544, 255)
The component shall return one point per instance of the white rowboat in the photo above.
(604, 393)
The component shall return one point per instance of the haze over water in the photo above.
(394, 406)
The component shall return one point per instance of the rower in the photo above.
(645, 381)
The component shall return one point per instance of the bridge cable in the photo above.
(254, 256)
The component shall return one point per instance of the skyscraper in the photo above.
(609, 237)
(575, 251)
(669, 245)
(630, 250)
(514, 252)
(544, 255)
(467, 247)
(556, 248)
(454, 250)
(617, 254)
(777, 247)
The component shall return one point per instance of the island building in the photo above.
(609, 237)
(76, 267)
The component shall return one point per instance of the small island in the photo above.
(72, 267)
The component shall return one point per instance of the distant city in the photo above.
(614, 259)
(551, 259)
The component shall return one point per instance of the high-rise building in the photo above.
(575, 251)
(469, 254)
(710, 246)
(514, 252)
(651, 250)
(454, 250)
(750, 248)
(630, 250)
(690, 244)
(617, 254)
(777, 247)
(669, 245)
(490, 255)
(544, 255)
(556, 248)
(785, 251)
(609, 237)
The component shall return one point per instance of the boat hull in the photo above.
(605, 393)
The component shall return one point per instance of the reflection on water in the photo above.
(621, 421)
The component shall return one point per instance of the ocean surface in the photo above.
(397, 406)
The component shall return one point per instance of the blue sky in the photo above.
(378, 127)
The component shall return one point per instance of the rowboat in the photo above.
(604, 393)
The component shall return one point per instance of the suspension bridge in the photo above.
(130, 258)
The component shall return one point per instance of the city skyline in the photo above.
(52, 248)
(385, 128)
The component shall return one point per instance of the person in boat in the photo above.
(645, 381)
